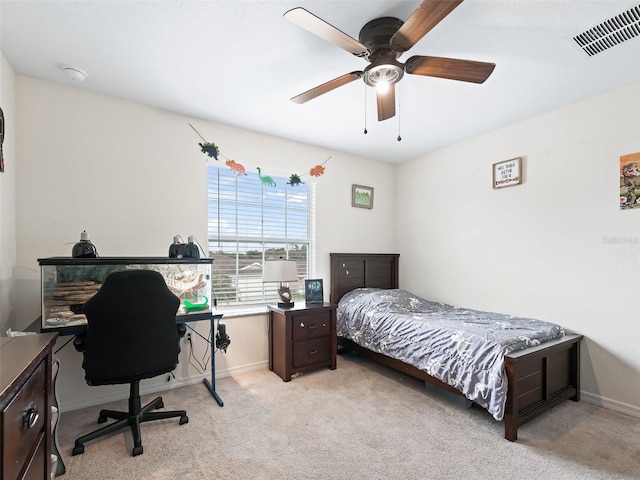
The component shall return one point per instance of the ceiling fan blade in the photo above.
(421, 21)
(307, 20)
(386, 103)
(451, 68)
(326, 87)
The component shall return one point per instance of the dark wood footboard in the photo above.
(539, 378)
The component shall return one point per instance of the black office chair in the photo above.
(131, 335)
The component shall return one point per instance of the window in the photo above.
(250, 222)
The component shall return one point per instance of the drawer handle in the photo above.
(31, 416)
(312, 351)
(312, 326)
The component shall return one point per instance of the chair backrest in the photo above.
(131, 331)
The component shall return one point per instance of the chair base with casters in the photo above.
(133, 418)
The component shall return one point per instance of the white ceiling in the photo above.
(238, 62)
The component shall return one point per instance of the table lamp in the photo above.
(281, 271)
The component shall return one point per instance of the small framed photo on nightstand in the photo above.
(313, 291)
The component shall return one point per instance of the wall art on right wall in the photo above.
(630, 181)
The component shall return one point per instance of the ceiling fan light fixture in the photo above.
(386, 73)
(382, 87)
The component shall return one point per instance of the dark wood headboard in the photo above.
(357, 270)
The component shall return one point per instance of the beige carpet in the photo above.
(360, 421)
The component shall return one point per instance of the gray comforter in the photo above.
(463, 348)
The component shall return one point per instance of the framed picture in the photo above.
(507, 173)
(313, 291)
(361, 196)
(630, 181)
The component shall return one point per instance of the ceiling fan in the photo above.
(381, 42)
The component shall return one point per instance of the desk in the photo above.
(213, 318)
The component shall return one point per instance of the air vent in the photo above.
(611, 32)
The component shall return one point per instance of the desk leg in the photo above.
(211, 385)
(212, 388)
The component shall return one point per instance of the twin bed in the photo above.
(516, 368)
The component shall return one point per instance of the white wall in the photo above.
(556, 247)
(134, 176)
(7, 198)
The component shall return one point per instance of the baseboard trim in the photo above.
(159, 386)
(610, 404)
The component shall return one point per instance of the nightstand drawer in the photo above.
(311, 326)
(23, 421)
(310, 352)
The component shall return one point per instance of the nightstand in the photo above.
(302, 338)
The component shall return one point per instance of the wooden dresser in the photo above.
(26, 392)
(302, 338)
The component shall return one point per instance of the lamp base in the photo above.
(286, 304)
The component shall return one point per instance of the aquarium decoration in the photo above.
(200, 304)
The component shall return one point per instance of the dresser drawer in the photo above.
(22, 424)
(311, 326)
(311, 352)
(36, 467)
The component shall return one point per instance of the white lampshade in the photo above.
(279, 271)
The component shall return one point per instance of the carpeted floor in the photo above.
(360, 421)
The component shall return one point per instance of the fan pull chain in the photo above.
(398, 97)
(365, 109)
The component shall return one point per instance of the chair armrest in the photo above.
(182, 330)
(78, 343)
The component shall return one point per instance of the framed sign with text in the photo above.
(507, 173)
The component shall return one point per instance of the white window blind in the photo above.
(250, 222)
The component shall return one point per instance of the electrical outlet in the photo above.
(187, 337)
